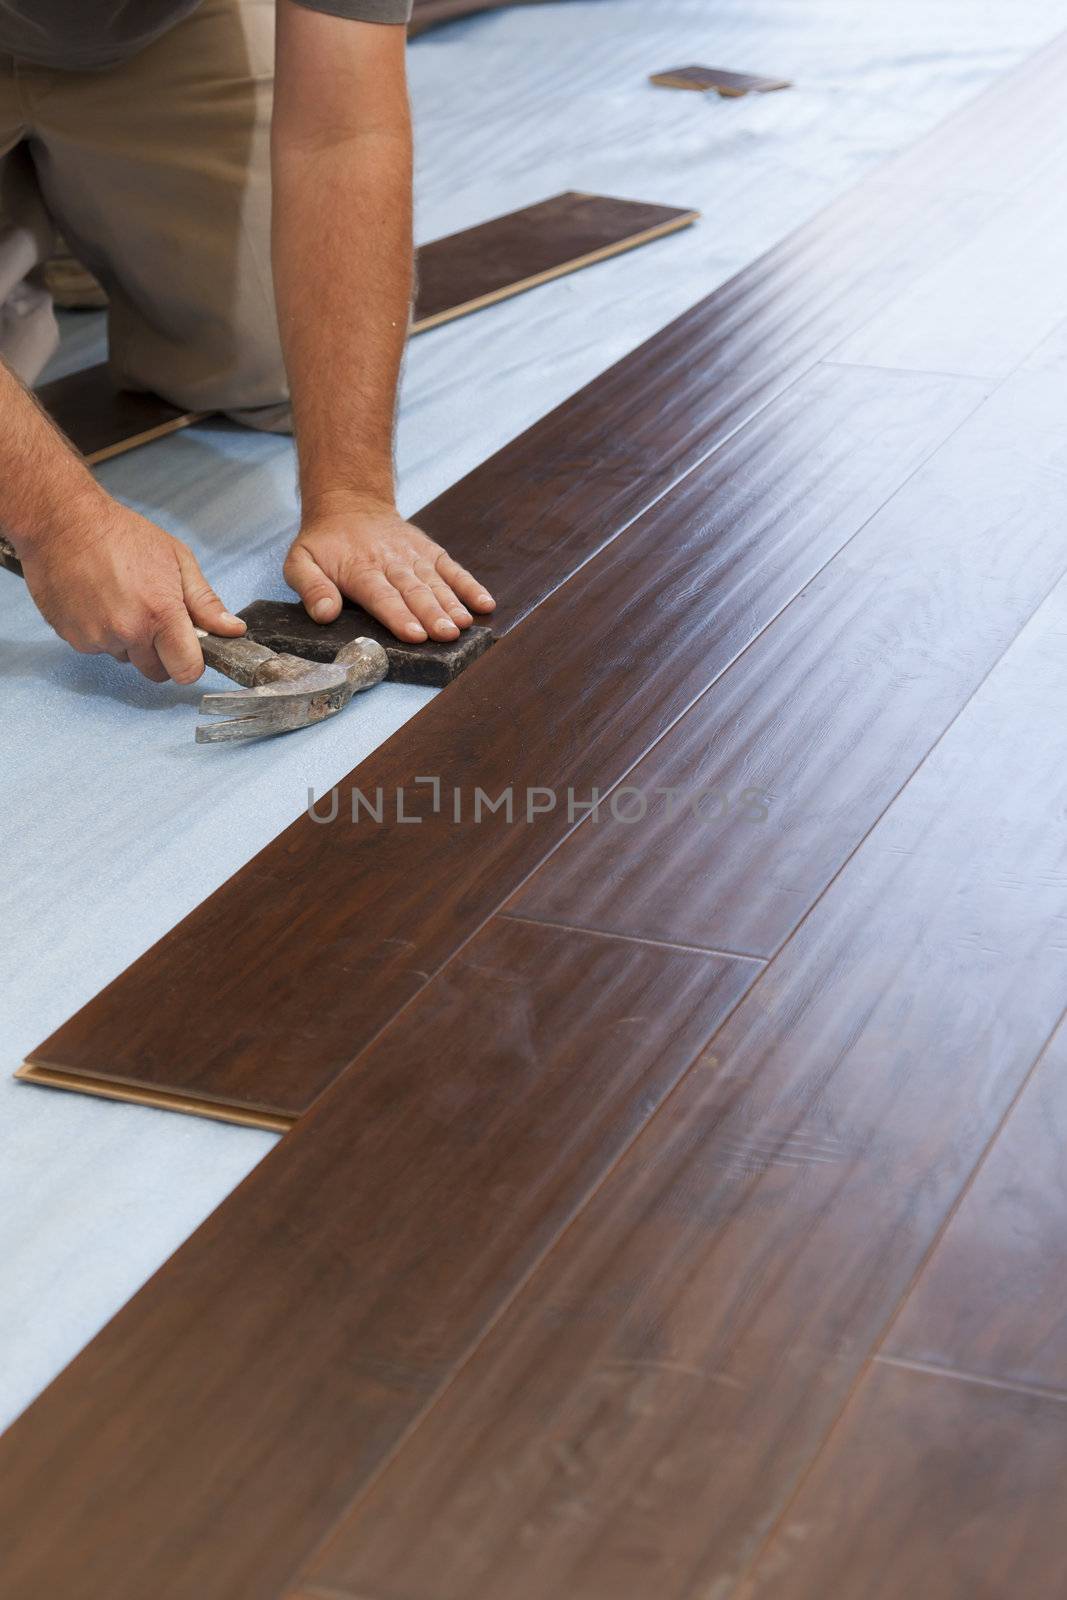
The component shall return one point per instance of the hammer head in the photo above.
(288, 692)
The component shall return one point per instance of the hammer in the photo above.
(279, 692)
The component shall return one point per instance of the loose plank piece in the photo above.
(458, 275)
(730, 85)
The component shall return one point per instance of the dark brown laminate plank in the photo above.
(728, 84)
(457, 275)
(510, 254)
(759, 795)
(933, 1487)
(102, 421)
(639, 1417)
(567, 702)
(991, 1299)
(204, 1443)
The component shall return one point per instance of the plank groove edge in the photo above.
(108, 1089)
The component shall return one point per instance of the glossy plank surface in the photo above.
(511, 254)
(639, 1417)
(931, 1487)
(723, 555)
(991, 1299)
(312, 1319)
(829, 712)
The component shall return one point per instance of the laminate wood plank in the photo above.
(515, 253)
(311, 1319)
(773, 778)
(641, 1414)
(723, 555)
(730, 85)
(931, 1487)
(457, 275)
(990, 1300)
(102, 421)
(983, 308)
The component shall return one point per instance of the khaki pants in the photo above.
(157, 174)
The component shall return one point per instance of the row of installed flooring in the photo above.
(672, 1205)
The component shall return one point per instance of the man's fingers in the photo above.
(446, 598)
(178, 648)
(465, 586)
(322, 599)
(421, 600)
(373, 590)
(201, 601)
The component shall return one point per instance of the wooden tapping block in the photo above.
(285, 626)
(457, 275)
(731, 85)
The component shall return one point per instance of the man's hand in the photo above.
(110, 582)
(368, 553)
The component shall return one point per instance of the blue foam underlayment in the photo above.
(115, 823)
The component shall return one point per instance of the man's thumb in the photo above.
(202, 603)
(322, 599)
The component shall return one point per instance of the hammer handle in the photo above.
(237, 659)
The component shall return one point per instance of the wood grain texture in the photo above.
(723, 555)
(456, 276)
(511, 254)
(931, 1487)
(730, 85)
(313, 1318)
(990, 1300)
(828, 713)
(639, 1417)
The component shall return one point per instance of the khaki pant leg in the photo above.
(28, 332)
(157, 171)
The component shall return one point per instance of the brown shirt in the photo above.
(80, 34)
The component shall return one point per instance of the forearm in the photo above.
(45, 484)
(343, 270)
